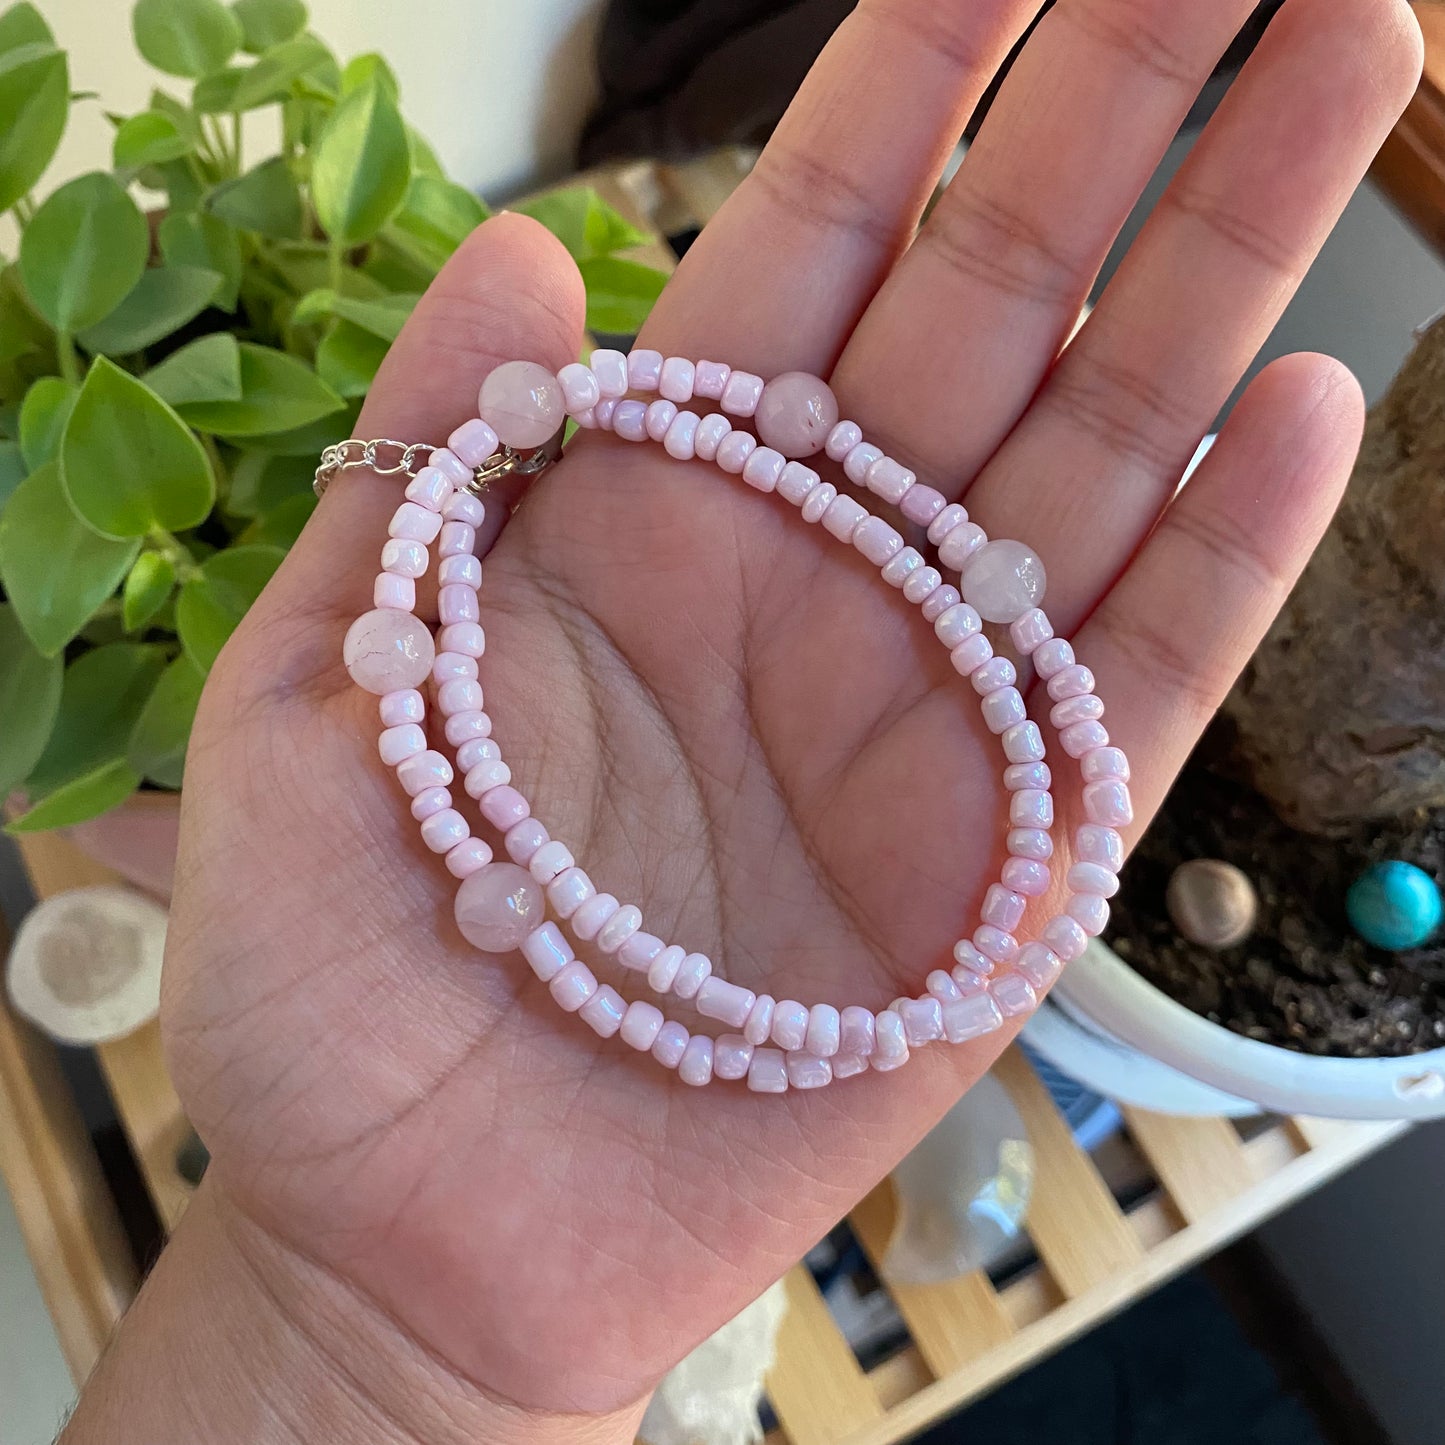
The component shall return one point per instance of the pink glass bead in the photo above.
(404, 557)
(1038, 963)
(921, 504)
(523, 403)
(726, 1002)
(547, 951)
(457, 539)
(1030, 843)
(922, 585)
(939, 600)
(663, 970)
(795, 413)
(1031, 808)
(808, 1071)
(1108, 802)
(639, 951)
(468, 857)
(644, 369)
(444, 830)
(431, 487)
(711, 380)
(763, 468)
(734, 450)
(429, 801)
(694, 970)
(732, 1055)
(1003, 709)
(523, 839)
(1052, 657)
(997, 672)
(396, 745)
(890, 1049)
(426, 770)
(957, 624)
(1027, 775)
(610, 369)
(580, 391)
(1064, 936)
(452, 467)
(459, 694)
(680, 443)
(468, 638)
(619, 928)
(1090, 912)
(604, 1011)
(741, 393)
(464, 507)
(943, 986)
(629, 421)
(768, 1072)
(457, 604)
(1030, 629)
(970, 1018)
(641, 1025)
(451, 666)
(961, 544)
(676, 379)
(843, 517)
(603, 413)
(572, 985)
(758, 1028)
(971, 653)
(414, 524)
(1026, 876)
(1095, 844)
(670, 1045)
(1083, 708)
(822, 1036)
(996, 944)
(1014, 995)
(588, 920)
(1023, 743)
(476, 750)
(901, 566)
(922, 1020)
(889, 479)
(1083, 737)
(696, 1066)
(711, 431)
(845, 1066)
(498, 906)
(569, 890)
(858, 462)
(1092, 878)
(1101, 763)
(402, 706)
(503, 806)
(970, 960)
(472, 442)
(790, 1024)
(387, 650)
(841, 440)
(818, 501)
(856, 1034)
(876, 540)
(1003, 580)
(660, 416)
(463, 727)
(795, 482)
(1003, 908)
(1072, 681)
(955, 514)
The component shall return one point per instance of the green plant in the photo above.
(167, 380)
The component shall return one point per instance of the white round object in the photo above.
(86, 964)
(1002, 580)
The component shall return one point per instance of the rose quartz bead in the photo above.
(431, 487)
(629, 421)
(676, 379)
(1038, 963)
(1023, 743)
(843, 517)
(731, 1056)
(397, 744)
(1108, 802)
(619, 928)
(1026, 876)
(711, 431)
(943, 986)
(1031, 808)
(741, 393)
(795, 482)
(846, 1065)
(639, 951)
(808, 1071)
(901, 566)
(996, 944)
(468, 857)
(610, 369)
(922, 1020)
(547, 951)
(404, 557)
(970, 654)
(1030, 843)
(922, 585)
(680, 443)
(790, 1024)
(889, 479)
(921, 504)
(392, 591)
(763, 468)
(726, 1002)
(660, 416)
(1064, 936)
(1101, 763)
(1003, 709)
(580, 391)
(644, 369)
(523, 839)
(498, 906)
(1003, 908)
(572, 985)
(464, 507)
(1093, 844)
(444, 830)
(818, 501)
(957, 624)
(1030, 629)
(387, 650)
(876, 540)
(939, 600)
(670, 1045)
(402, 706)
(890, 1050)
(970, 1018)
(711, 379)
(1003, 580)
(970, 960)
(1052, 657)
(1092, 878)
(468, 638)
(960, 544)
(569, 890)
(734, 450)
(1027, 775)
(641, 1025)
(604, 1011)
(523, 403)
(473, 442)
(795, 413)
(997, 672)
(694, 970)
(426, 770)
(1083, 737)
(856, 1031)
(429, 801)
(663, 970)
(1090, 912)
(768, 1072)
(589, 918)
(696, 1065)
(823, 1032)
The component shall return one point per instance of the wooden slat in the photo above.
(1200, 1162)
(951, 1322)
(1410, 167)
(816, 1386)
(1080, 1232)
(702, 185)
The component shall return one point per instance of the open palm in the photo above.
(722, 712)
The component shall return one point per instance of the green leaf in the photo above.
(196, 239)
(43, 415)
(275, 75)
(282, 525)
(148, 139)
(360, 167)
(308, 440)
(260, 483)
(348, 358)
(212, 604)
(215, 94)
(305, 267)
(207, 369)
(83, 251)
(128, 462)
(22, 332)
(266, 200)
(34, 104)
(82, 798)
(278, 393)
(439, 214)
(163, 300)
(157, 748)
(12, 470)
(177, 111)
(56, 570)
(384, 317)
(147, 585)
(183, 187)
(424, 160)
(265, 23)
(584, 222)
(23, 24)
(363, 70)
(619, 293)
(190, 38)
(29, 699)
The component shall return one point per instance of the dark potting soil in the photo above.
(1303, 979)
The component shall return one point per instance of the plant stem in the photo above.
(236, 139)
(24, 209)
(171, 546)
(65, 355)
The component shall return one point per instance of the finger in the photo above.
(510, 292)
(1168, 641)
(1102, 447)
(1016, 240)
(781, 273)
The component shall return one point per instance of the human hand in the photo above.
(714, 706)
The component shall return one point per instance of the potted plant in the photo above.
(167, 379)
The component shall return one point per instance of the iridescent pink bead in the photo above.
(1027, 876)
(1031, 808)
(523, 839)
(1027, 775)
(939, 600)
(547, 951)
(842, 439)
(468, 857)
(431, 486)
(845, 1066)
(572, 986)
(1108, 802)
(763, 468)
(734, 450)
(790, 1024)
(1039, 964)
(996, 944)
(856, 1031)
(1030, 629)
(876, 540)
(696, 1065)
(1092, 878)
(429, 801)
(711, 431)
(732, 1055)
(711, 380)
(569, 890)
(795, 413)
(1086, 707)
(523, 403)
(467, 638)
(795, 482)
(1029, 843)
(629, 421)
(970, 1018)
(1053, 657)
(1064, 936)
(402, 706)
(472, 442)
(604, 1011)
(670, 1044)
(888, 479)
(426, 770)
(676, 379)
(922, 1020)
(901, 566)
(1090, 912)
(457, 539)
(498, 906)
(921, 504)
(1003, 709)
(680, 442)
(1083, 737)
(588, 920)
(768, 1072)
(694, 970)
(503, 806)
(758, 1028)
(1096, 844)
(414, 524)
(726, 1002)
(808, 1071)
(641, 1026)
(580, 391)
(959, 546)
(619, 928)
(610, 369)
(1023, 744)
(387, 650)
(1014, 995)
(404, 557)
(957, 624)
(817, 502)
(891, 1043)
(858, 462)
(662, 972)
(822, 1036)
(464, 507)
(660, 416)
(741, 393)
(922, 585)
(843, 517)
(639, 951)
(644, 369)
(389, 590)
(396, 745)
(1002, 907)
(1101, 763)
(443, 830)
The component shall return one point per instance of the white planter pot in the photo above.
(1114, 1031)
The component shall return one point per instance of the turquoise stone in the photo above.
(1394, 905)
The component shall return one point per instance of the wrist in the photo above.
(236, 1337)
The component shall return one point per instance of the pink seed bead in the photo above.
(996, 944)
(641, 1025)
(858, 461)
(603, 413)
(388, 650)
(604, 1011)
(818, 501)
(711, 380)
(1030, 843)
(1090, 912)
(547, 951)
(1014, 995)
(474, 751)
(724, 1001)
(901, 566)
(1003, 709)
(1064, 936)
(404, 557)
(890, 1050)
(1023, 743)
(697, 1061)
(644, 369)
(503, 806)
(1083, 708)
(1030, 629)
(569, 890)
(970, 654)
(461, 694)
(922, 585)
(1092, 878)
(1108, 802)
(457, 539)
(453, 667)
(398, 744)
(1083, 737)
(795, 482)
(957, 624)
(498, 906)
(922, 1020)
(572, 986)
(619, 928)
(523, 839)
(823, 1032)
(741, 394)
(1052, 657)
(663, 970)
(451, 466)
(415, 524)
(943, 986)
(580, 391)
(732, 1055)
(610, 369)
(970, 1018)
(734, 450)
(711, 431)
(876, 540)
(463, 727)
(1072, 681)
(1026, 876)
(694, 970)
(939, 600)
(808, 1071)
(676, 379)
(461, 566)
(1003, 908)
(444, 830)
(971, 963)
(431, 486)
(758, 1028)
(843, 517)
(842, 439)
(486, 776)
(429, 801)
(998, 672)
(680, 443)
(472, 442)
(889, 479)
(955, 514)
(468, 857)
(670, 1044)
(921, 504)
(768, 1072)
(1027, 775)
(468, 638)
(629, 420)
(426, 770)
(403, 706)
(1039, 964)
(1099, 764)
(856, 1031)
(464, 507)
(660, 416)
(549, 860)
(457, 604)
(960, 545)
(588, 920)
(796, 413)
(1031, 808)
(790, 1024)
(763, 468)
(639, 951)
(1093, 844)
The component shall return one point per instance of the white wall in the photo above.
(499, 87)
